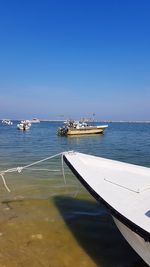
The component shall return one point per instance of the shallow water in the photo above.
(47, 223)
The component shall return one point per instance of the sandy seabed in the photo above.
(61, 231)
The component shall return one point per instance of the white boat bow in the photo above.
(124, 189)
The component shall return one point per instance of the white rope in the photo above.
(20, 169)
(48, 170)
(39, 161)
(7, 188)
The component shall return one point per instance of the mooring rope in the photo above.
(3, 179)
(21, 168)
(48, 170)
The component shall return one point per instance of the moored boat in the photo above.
(124, 189)
(26, 122)
(7, 121)
(24, 125)
(77, 128)
(35, 120)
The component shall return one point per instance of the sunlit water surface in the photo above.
(45, 222)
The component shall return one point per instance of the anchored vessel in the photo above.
(24, 125)
(77, 128)
(35, 120)
(124, 189)
(7, 121)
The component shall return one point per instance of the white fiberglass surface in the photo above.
(123, 186)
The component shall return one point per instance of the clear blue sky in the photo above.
(75, 58)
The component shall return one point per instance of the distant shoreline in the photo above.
(101, 121)
(126, 121)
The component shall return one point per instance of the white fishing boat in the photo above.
(27, 122)
(23, 126)
(7, 121)
(124, 189)
(35, 120)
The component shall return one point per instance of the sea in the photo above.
(46, 222)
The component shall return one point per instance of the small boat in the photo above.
(7, 121)
(27, 122)
(23, 126)
(78, 128)
(35, 120)
(125, 191)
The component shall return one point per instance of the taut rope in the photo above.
(20, 169)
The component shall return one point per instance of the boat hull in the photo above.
(84, 131)
(141, 246)
(117, 185)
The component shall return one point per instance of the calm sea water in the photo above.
(47, 223)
